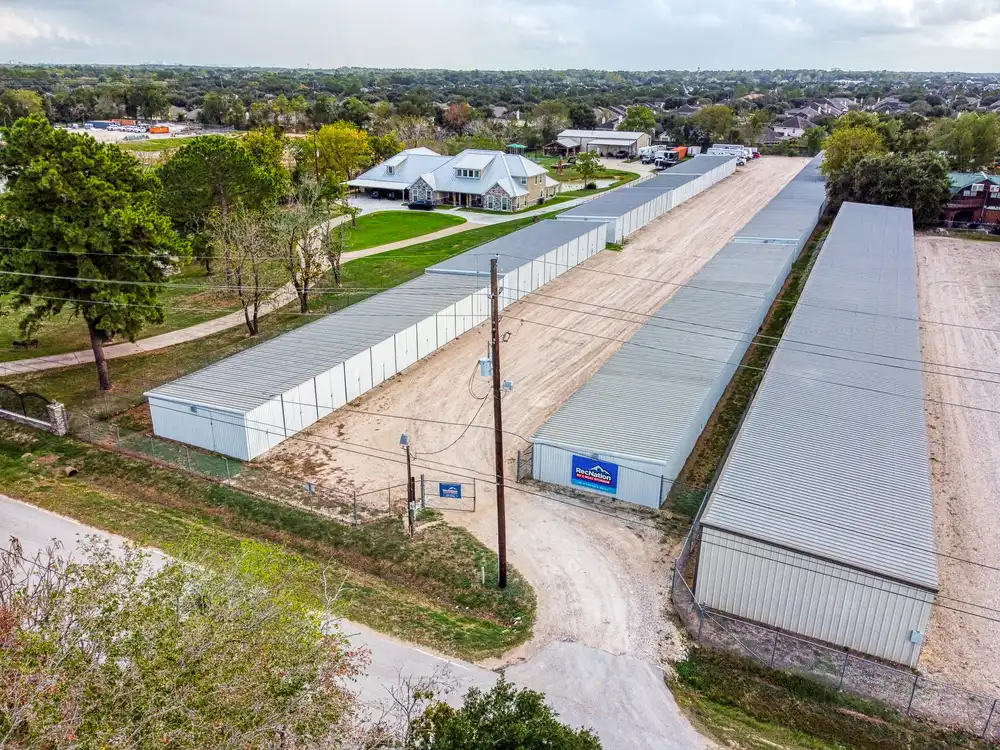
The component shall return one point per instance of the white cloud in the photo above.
(21, 28)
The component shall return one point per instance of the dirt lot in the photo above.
(601, 581)
(958, 282)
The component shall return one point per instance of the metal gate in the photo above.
(447, 494)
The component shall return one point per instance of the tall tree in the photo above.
(639, 119)
(355, 111)
(108, 651)
(18, 103)
(384, 146)
(846, 146)
(755, 124)
(715, 121)
(302, 226)
(582, 117)
(972, 140)
(92, 209)
(215, 172)
(457, 116)
(344, 151)
(587, 165)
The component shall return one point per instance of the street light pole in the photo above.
(498, 427)
(411, 500)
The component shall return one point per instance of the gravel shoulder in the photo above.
(958, 280)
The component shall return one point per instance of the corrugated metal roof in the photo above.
(832, 459)
(613, 204)
(514, 249)
(252, 377)
(663, 182)
(700, 164)
(651, 399)
(620, 135)
(793, 210)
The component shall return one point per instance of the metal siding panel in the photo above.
(384, 361)
(537, 274)
(264, 427)
(406, 346)
(463, 315)
(358, 374)
(338, 386)
(562, 258)
(638, 481)
(218, 431)
(426, 336)
(551, 261)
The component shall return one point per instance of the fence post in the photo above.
(228, 475)
(517, 472)
(701, 621)
(989, 718)
(152, 446)
(187, 457)
(355, 507)
(118, 439)
(912, 693)
(774, 648)
(423, 493)
(843, 671)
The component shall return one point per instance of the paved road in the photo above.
(622, 698)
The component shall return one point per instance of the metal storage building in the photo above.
(627, 211)
(638, 418)
(248, 403)
(821, 522)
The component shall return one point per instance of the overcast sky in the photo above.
(611, 34)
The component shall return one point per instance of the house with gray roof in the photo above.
(474, 178)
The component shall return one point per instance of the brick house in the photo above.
(975, 199)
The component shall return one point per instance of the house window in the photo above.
(390, 169)
(470, 174)
(523, 181)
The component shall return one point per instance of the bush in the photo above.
(590, 186)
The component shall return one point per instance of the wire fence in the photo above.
(343, 505)
(905, 691)
(447, 494)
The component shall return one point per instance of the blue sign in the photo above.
(595, 475)
(450, 490)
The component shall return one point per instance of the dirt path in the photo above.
(601, 581)
(958, 282)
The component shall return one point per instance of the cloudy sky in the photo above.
(612, 34)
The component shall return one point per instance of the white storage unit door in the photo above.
(463, 315)
(358, 374)
(330, 393)
(446, 325)
(426, 336)
(562, 257)
(384, 360)
(406, 348)
(299, 405)
(265, 428)
(537, 273)
(551, 261)
(573, 255)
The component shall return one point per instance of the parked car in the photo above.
(623, 154)
(741, 162)
(420, 205)
(756, 154)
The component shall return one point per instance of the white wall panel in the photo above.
(211, 429)
(573, 251)
(537, 273)
(384, 361)
(463, 315)
(446, 325)
(406, 345)
(426, 336)
(562, 258)
(639, 481)
(265, 428)
(358, 374)
(550, 262)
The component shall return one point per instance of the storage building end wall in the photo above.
(812, 597)
(203, 427)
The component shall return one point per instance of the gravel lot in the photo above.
(601, 581)
(958, 282)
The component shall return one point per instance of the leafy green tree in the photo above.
(83, 233)
(918, 182)
(109, 651)
(972, 140)
(344, 150)
(502, 719)
(582, 117)
(384, 146)
(217, 172)
(845, 146)
(18, 103)
(715, 121)
(813, 139)
(587, 164)
(638, 119)
(755, 124)
(355, 111)
(146, 99)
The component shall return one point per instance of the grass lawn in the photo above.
(76, 387)
(65, 333)
(744, 705)
(425, 589)
(384, 227)
(161, 144)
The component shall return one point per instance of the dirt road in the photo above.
(600, 580)
(958, 282)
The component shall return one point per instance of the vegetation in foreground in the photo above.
(745, 705)
(425, 589)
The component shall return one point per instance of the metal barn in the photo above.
(821, 522)
(628, 431)
(248, 403)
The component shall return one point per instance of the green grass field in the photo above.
(76, 387)
(385, 227)
(183, 307)
(162, 144)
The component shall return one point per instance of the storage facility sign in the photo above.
(595, 475)
(450, 490)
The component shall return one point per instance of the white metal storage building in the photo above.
(627, 211)
(629, 430)
(821, 522)
(245, 405)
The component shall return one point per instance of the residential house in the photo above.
(809, 112)
(770, 137)
(474, 178)
(793, 127)
(563, 147)
(607, 142)
(975, 199)
(890, 105)
(686, 110)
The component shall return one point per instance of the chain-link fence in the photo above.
(525, 463)
(907, 692)
(447, 494)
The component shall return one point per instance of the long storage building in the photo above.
(628, 431)
(247, 404)
(629, 210)
(821, 522)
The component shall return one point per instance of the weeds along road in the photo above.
(601, 582)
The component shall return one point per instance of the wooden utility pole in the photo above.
(498, 427)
